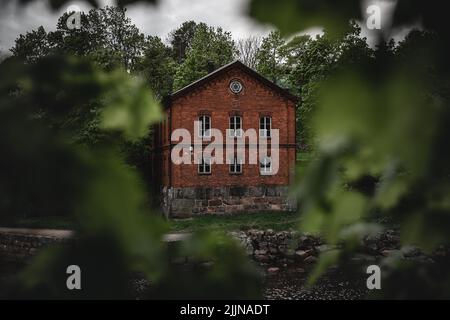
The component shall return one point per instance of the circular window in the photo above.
(236, 86)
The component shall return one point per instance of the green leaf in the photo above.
(291, 16)
(130, 108)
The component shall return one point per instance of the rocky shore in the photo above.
(285, 258)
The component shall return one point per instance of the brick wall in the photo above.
(219, 102)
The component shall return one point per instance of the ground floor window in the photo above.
(236, 166)
(265, 165)
(205, 166)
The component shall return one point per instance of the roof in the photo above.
(235, 64)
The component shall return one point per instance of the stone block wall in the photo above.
(21, 244)
(186, 202)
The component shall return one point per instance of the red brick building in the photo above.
(238, 98)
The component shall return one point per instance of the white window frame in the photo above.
(264, 130)
(265, 165)
(206, 163)
(204, 132)
(233, 166)
(235, 132)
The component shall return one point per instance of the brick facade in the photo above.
(212, 96)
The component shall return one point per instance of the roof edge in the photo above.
(236, 63)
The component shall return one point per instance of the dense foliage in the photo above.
(380, 127)
(47, 99)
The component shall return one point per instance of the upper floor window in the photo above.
(265, 165)
(236, 166)
(265, 126)
(204, 130)
(236, 126)
(205, 166)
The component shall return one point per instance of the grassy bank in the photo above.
(262, 220)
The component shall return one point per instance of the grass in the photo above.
(243, 221)
(303, 156)
(263, 220)
(50, 222)
(303, 159)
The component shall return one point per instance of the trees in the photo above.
(270, 58)
(247, 50)
(32, 46)
(181, 40)
(157, 66)
(312, 61)
(211, 48)
(106, 36)
(380, 121)
(303, 63)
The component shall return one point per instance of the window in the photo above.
(205, 166)
(236, 166)
(265, 165)
(236, 86)
(265, 125)
(204, 130)
(235, 126)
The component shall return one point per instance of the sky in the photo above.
(151, 20)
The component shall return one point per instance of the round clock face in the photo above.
(236, 86)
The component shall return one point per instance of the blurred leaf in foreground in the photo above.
(381, 131)
(44, 171)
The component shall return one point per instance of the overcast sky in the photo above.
(151, 20)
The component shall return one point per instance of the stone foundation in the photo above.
(186, 202)
(17, 245)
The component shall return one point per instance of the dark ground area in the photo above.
(290, 283)
(286, 283)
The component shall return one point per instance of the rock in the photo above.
(260, 252)
(273, 269)
(410, 251)
(273, 250)
(363, 258)
(392, 253)
(303, 253)
(290, 253)
(310, 260)
(323, 248)
(261, 258)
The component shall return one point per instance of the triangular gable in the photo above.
(235, 64)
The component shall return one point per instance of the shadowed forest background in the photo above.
(76, 108)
